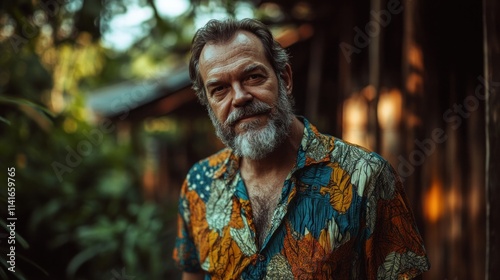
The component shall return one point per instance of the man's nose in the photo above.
(241, 96)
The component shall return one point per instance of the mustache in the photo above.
(254, 108)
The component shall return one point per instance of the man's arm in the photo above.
(395, 246)
(192, 276)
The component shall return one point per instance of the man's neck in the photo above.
(264, 178)
(281, 159)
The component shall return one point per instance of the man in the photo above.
(283, 201)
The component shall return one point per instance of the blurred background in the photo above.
(98, 119)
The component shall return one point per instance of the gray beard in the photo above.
(255, 143)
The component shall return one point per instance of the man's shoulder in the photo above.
(353, 155)
(364, 167)
(209, 166)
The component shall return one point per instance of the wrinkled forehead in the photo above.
(241, 40)
(242, 45)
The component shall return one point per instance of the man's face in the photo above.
(247, 102)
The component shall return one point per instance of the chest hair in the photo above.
(264, 200)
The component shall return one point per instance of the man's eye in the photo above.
(253, 77)
(218, 91)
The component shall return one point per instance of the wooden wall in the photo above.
(408, 81)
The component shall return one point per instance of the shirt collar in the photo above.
(315, 147)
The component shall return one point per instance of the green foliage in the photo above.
(96, 210)
(79, 201)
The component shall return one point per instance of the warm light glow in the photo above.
(414, 80)
(455, 210)
(355, 119)
(389, 109)
(433, 202)
(288, 37)
(369, 92)
(454, 200)
(415, 57)
(306, 31)
(412, 120)
(414, 83)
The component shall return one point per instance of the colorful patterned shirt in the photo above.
(343, 214)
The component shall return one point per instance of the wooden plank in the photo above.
(491, 23)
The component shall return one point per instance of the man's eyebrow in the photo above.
(212, 82)
(253, 67)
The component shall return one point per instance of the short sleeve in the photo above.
(394, 247)
(185, 254)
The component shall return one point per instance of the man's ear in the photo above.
(286, 75)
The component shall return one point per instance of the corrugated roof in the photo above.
(127, 96)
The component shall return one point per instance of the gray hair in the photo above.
(217, 31)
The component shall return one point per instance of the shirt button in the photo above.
(262, 258)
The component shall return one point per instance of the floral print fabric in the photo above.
(342, 214)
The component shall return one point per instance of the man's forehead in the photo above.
(244, 46)
(240, 40)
